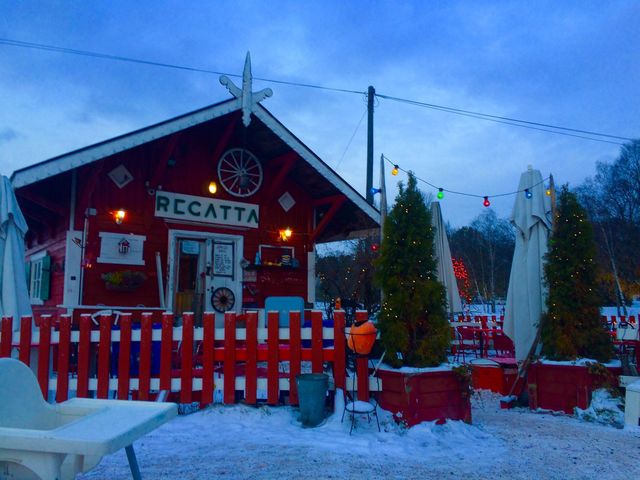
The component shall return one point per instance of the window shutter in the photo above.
(45, 278)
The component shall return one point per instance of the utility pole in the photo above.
(371, 92)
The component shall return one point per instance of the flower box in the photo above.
(123, 280)
(562, 387)
(425, 396)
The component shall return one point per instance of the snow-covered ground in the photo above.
(244, 442)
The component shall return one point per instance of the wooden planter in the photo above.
(497, 376)
(564, 387)
(424, 396)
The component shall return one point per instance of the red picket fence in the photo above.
(194, 362)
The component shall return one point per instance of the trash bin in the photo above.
(312, 393)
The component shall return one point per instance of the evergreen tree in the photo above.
(572, 326)
(413, 324)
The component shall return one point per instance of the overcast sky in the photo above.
(573, 64)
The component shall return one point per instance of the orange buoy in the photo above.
(361, 337)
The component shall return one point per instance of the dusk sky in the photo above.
(570, 64)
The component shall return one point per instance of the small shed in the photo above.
(215, 210)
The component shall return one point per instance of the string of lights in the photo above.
(544, 127)
(441, 190)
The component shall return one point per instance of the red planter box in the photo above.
(564, 387)
(424, 396)
(498, 377)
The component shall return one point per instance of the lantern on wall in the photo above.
(361, 337)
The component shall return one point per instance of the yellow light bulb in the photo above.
(120, 216)
(395, 170)
(213, 188)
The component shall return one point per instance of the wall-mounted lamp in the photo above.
(213, 187)
(119, 216)
(285, 234)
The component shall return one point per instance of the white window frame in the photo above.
(35, 277)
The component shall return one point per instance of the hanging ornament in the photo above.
(395, 170)
(440, 193)
(527, 193)
(486, 202)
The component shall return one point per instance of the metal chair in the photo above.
(352, 405)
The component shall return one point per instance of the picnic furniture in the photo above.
(43, 441)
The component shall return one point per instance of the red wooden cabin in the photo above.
(130, 223)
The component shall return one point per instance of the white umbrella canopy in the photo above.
(14, 294)
(444, 263)
(526, 295)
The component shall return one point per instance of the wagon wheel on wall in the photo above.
(240, 172)
(222, 299)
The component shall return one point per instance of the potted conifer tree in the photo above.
(575, 346)
(418, 384)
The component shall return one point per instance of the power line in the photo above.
(351, 139)
(105, 56)
(543, 127)
(493, 118)
(497, 117)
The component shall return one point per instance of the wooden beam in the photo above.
(287, 160)
(336, 203)
(41, 201)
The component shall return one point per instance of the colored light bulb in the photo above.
(486, 202)
(527, 193)
(395, 170)
(440, 194)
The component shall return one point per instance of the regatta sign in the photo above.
(206, 210)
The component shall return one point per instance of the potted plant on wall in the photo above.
(418, 385)
(574, 343)
(123, 280)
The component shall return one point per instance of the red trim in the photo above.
(339, 367)
(62, 386)
(166, 351)
(251, 374)
(316, 341)
(229, 368)
(43, 354)
(295, 353)
(273, 377)
(186, 375)
(208, 343)
(6, 336)
(124, 357)
(144, 372)
(25, 340)
(104, 352)
(84, 346)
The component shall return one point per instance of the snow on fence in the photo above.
(191, 361)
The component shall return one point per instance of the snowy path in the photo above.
(241, 442)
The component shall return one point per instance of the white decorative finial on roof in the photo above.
(248, 98)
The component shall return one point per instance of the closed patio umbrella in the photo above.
(14, 294)
(444, 264)
(526, 295)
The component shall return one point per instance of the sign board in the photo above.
(111, 251)
(206, 210)
(223, 259)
